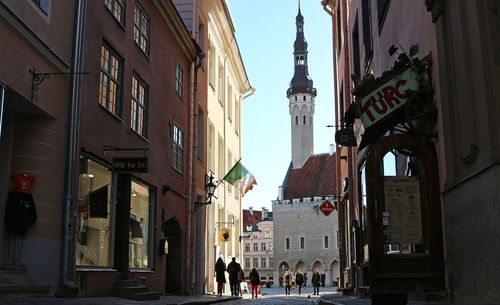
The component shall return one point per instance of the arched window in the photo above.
(304, 120)
(295, 98)
(296, 120)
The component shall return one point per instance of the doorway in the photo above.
(173, 279)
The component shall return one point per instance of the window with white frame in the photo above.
(178, 147)
(271, 262)
(255, 246)
(179, 79)
(220, 81)
(263, 262)
(211, 66)
(247, 247)
(138, 109)
(247, 263)
(326, 242)
(142, 24)
(110, 76)
(117, 8)
(287, 243)
(263, 246)
(302, 243)
(256, 262)
(270, 246)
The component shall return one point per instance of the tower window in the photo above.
(296, 120)
(304, 120)
(295, 98)
(304, 98)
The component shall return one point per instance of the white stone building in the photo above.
(304, 236)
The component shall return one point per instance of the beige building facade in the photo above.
(228, 86)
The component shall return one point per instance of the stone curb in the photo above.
(199, 302)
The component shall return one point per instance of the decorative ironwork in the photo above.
(39, 77)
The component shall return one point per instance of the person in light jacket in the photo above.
(255, 281)
(316, 281)
(287, 281)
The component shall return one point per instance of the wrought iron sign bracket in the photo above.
(39, 77)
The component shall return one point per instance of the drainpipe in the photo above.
(71, 183)
(338, 172)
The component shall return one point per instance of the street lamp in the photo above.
(210, 188)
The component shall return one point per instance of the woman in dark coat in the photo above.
(255, 281)
(316, 281)
(220, 269)
(299, 279)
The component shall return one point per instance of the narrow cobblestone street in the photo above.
(271, 296)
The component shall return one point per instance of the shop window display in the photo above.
(139, 227)
(94, 214)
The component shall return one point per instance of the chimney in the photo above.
(264, 213)
(250, 209)
(280, 193)
(332, 149)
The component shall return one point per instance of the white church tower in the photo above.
(301, 95)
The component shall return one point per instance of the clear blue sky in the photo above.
(265, 31)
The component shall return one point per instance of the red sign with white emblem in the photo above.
(326, 207)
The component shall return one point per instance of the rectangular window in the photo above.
(220, 147)
(43, 5)
(220, 90)
(140, 224)
(179, 79)
(287, 243)
(211, 148)
(117, 8)
(271, 262)
(178, 156)
(110, 80)
(255, 247)
(94, 215)
(247, 263)
(255, 262)
(367, 32)
(302, 243)
(138, 109)
(142, 24)
(263, 262)
(266, 234)
(201, 135)
(382, 8)
(230, 104)
(247, 247)
(326, 243)
(270, 246)
(211, 66)
(229, 165)
(263, 246)
(355, 48)
(236, 115)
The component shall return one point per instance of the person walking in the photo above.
(255, 281)
(316, 281)
(241, 278)
(233, 269)
(287, 281)
(299, 279)
(220, 268)
(305, 279)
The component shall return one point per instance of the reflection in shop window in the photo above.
(93, 230)
(139, 226)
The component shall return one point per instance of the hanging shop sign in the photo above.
(130, 165)
(345, 137)
(378, 108)
(224, 234)
(326, 207)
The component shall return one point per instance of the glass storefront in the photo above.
(94, 215)
(139, 226)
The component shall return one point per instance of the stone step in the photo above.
(141, 296)
(130, 289)
(38, 290)
(13, 277)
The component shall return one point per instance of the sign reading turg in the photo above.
(388, 98)
(130, 165)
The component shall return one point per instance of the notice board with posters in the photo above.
(402, 216)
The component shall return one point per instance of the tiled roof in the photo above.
(315, 178)
(255, 218)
